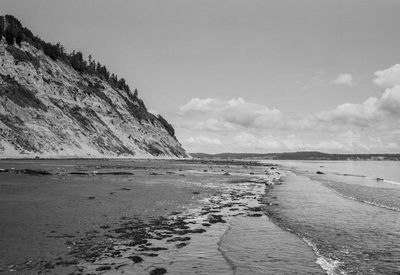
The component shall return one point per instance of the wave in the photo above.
(358, 199)
(223, 252)
(380, 205)
(329, 265)
(384, 180)
(354, 175)
(367, 177)
(392, 182)
(349, 175)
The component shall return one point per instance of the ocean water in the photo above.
(244, 244)
(343, 221)
(388, 170)
(349, 215)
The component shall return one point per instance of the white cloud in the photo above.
(266, 143)
(241, 126)
(348, 141)
(246, 140)
(345, 142)
(230, 114)
(381, 109)
(372, 110)
(350, 136)
(390, 101)
(235, 115)
(348, 113)
(202, 140)
(200, 105)
(212, 124)
(389, 77)
(345, 79)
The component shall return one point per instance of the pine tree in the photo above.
(9, 35)
(1, 27)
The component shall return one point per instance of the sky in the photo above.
(246, 76)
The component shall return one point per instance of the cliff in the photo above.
(54, 104)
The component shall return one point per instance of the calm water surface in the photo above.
(349, 218)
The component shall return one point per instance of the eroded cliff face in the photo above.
(48, 109)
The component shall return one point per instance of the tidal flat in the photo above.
(129, 216)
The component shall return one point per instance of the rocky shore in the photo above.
(120, 216)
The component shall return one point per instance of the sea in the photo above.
(321, 217)
(326, 217)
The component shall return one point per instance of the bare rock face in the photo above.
(50, 109)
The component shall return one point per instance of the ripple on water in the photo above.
(361, 238)
(258, 246)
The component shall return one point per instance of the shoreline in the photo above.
(77, 216)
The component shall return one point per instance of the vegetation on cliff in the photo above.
(57, 104)
(14, 33)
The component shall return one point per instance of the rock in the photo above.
(158, 271)
(33, 172)
(180, 245)
(139, 242)
(226, 174)
(103, 268)
(190, 231)
(178, 239)
(153, 174)
(150, 254)
(254, 215)
(67, 262)
(135, 259)
(320, 173)
(255, 209)
(78, 173)
(115, 173)
(216, 219)
(153, 248)
(176, 212)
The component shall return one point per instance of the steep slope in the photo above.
(51, 107)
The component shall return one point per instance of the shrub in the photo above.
(167, 125)
(22, 56)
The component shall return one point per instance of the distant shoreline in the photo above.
(232, 157)
(306, 155)
(91, 158)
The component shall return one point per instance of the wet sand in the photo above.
(108, 216)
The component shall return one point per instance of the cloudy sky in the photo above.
(246, 76)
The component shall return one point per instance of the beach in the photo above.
(197, 217)
(96, 216)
